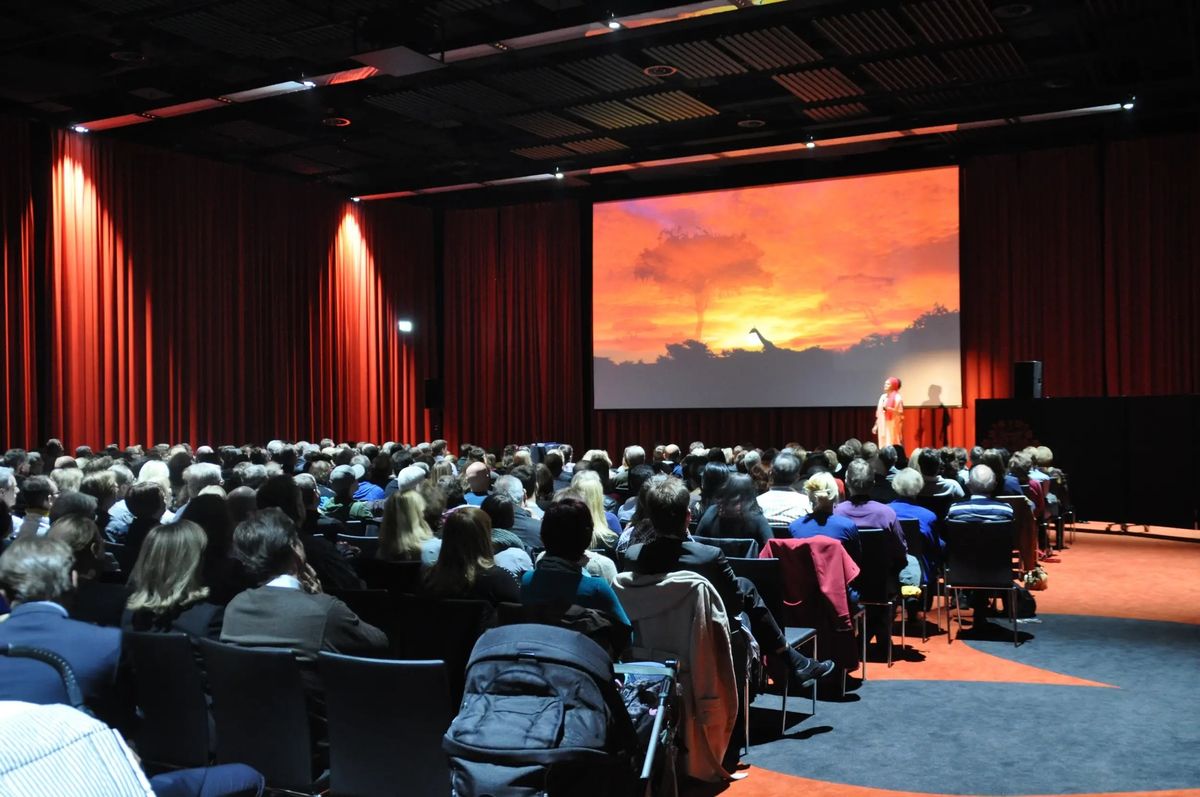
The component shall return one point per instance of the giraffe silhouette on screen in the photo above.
(766, 344)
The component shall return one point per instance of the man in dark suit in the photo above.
(524, 525)
(37, 579)
(671, 550)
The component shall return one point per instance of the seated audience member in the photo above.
(908, 484)
(586, 485)
(37, 579)
(102, 487)
(884, 464)
(168, 584)
(344, 483)
(479, 483)
(997, 460)
(554, 463)
(314, 523)
(735, 514)
(633, 457)
(670, 550)
(712, 481)
(507, 548)
(868, 514)
(638, 475)
(39, 493)
(1019, 466)
(782, 503)
(465, 567)
(287, 609)
(281, 492)
(367, 490)
(524, 525)
(73, 502)
(195, 478)
(10, 524)
(930, 465)
(404, 535)
(559, 575)
(822, 491)
(544, 494)
(639, 529)
(220, 572)
(982, 505)
(147, 504)
(242, 503)
(67, 479)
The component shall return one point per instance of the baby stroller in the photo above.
(542, 714)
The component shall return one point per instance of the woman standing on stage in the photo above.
(889, 414)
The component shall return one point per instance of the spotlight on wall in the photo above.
(404, 325)
(1128, 104)
(79, 128)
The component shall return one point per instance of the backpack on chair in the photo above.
(540, 715)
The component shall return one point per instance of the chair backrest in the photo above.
(937, 504)
(401, 577)
(441, 628)
(170, 694)
(780, 531)
(386, 720)
(742, 548)
(261, 716)
(979, 554)
(768, 578)
(374, 606)
(913, 537)
(876, 583)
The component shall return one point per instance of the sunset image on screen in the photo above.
(809, 292)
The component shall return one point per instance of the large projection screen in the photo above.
(799, 295)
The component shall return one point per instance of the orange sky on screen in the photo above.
(814, 263)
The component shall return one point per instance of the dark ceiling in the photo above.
(752, 76)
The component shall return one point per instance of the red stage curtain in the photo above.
(18, 354)
(513, 356)
(198, 301)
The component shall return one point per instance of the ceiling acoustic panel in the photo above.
(833, 113)
(865, 33)
(544, 85)
(770, 48)
(419, 107)
(673, 106)
(610, 73)
(698, 59)
(279, 15)
(474, 96)
(254, 134)
(218, 33)
(544, 152)
(819, 85)
(595, 146)
(943, 21)
(547, 125)
(612, 115)
(988, 62)
(906, 74)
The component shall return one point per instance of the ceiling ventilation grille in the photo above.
(612, 115)
(865, 32)
(770, 48)
(696, 59)
(819, 85)
(941, 21)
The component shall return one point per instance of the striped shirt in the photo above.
(981, 509)
(51, 751)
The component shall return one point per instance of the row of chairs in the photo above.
(383, 719)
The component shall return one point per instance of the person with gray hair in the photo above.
(981, 507)
(783, 503)
(634, 455)
(38, 579)
(196, 477)
(524, 525)
(8, 500)
(908, 484)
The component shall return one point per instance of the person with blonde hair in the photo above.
(168, 584)
(465, 567)
(822, 491)
(587, 487)
(404, 535)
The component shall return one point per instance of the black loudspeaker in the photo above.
(433, 394)
(1027, 379)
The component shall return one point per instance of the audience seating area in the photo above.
(359, 718)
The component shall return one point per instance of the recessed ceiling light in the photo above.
(1128, 104)
(558, 175)
(660, 70)
(356, 199)
(308, 84)
(79, 128)
(614, 24)
(1012, 10)
(751, 124)
(336, 121)
(404, 325)
(810, 144)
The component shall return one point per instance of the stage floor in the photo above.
(1161, 532)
